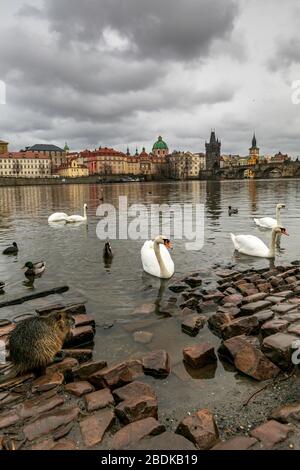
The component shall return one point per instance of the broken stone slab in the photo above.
(264, 287)
(192, 324)
(145, 309)
(65, 444)
(274, 299)
(229, 348)
(215, 296)
(254, 298)
(199, 355)
(66, 365)
(286, 294)
(49, 422)
(9, 418)
(235, 299)
(137, 408)
(85, 370)
(287, 413)
(193, 281)
(118, 374)
(279, 348)
(48, 382)
(100, 399)
(226, 273)
(292, 317)
(134, 432)
(252, 362)
(17, 381)
(294, 329)
(78, 389)
(134, 390)
(272, 327)
(271, 433)
(6, 330)
(200, 428)
(82, 355)
(283, 308)
(75, 309)
(39, 405)
(157, 363)
(240, 326)
(178, 287)
(264, 316)
(236, 443)
(49, 308)
(218, 322)
(81, 335)
(94, 427)
(84, 320)
(254, 307)
(143, 337)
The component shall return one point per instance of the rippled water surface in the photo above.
(73, 256)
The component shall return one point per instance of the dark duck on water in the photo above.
(232, 210)
(11, 250)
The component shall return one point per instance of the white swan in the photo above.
(156, 259)
(78, 218)
(57, 217)
(269, 222)
(253, 246)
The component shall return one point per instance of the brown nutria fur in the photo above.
(35, 342)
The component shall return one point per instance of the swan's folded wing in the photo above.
(266, 222)
(251, 245)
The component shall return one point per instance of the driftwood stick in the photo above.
(26, 298)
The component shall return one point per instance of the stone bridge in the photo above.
(264, 170)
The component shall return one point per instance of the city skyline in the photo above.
(114, 76)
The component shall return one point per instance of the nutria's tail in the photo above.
(14, 371)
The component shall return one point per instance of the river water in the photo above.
(116, 294)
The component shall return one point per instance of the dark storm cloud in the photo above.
(286, 54)
(165, 29)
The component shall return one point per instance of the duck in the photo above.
(107, 252)
(269, 222)
(57, 217)
(11, 250)
(156, 259)
(34, 269)
(78, 218)
(232, 210)
(254, 246)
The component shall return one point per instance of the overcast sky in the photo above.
(121, 72)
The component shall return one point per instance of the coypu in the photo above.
(35, 342)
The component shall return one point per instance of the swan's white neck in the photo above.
(163, 270)
(278, 216)
(272, 244)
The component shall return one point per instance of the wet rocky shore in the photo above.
(86, 403)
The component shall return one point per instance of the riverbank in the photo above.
(80, 403)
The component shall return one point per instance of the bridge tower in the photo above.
(213, 153)
(253, 152)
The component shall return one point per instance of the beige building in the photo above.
(73, 169)
(25, 165)
(185, 165)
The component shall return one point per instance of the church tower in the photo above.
(213, 153)
(253, 152)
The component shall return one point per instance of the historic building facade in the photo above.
(73, 169)
(25, 165)
(213, 153)
(185, 165)
(3, 147)
(56, 154)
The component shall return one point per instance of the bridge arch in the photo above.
(272, 172)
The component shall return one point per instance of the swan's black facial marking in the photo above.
(167, 243)
(284, 231)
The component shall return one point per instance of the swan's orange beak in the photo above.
(285, 232)
(168, 244)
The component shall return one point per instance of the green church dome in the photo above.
(160, 144)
